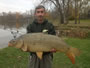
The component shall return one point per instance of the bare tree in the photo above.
(62, 7)
(79, 4)
(59, 5)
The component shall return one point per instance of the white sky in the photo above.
(17, 5)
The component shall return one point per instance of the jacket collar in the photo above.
(36, 22)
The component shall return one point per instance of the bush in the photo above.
(88, 35)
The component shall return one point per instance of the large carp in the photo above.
(40, 42)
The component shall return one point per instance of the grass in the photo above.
(83, 61)
(15, 58)
(84, 22)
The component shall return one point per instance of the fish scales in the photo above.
(44, 42)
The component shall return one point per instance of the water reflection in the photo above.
(7, 34)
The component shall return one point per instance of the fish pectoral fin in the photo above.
(24, 48)
(71, 56)
(39, 54)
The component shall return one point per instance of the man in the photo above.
(40, 24)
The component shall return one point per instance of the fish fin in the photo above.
(71, 56)
(24, 48)
(76, 51)
(39, 54)
(72, 53)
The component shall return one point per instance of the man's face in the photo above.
(40, 14)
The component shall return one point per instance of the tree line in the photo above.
(15, 19)
(67, 10)
(61, 10)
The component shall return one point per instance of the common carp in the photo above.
(40, 42)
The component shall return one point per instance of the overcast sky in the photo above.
(17, 5)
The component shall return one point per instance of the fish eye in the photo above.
(13, 40)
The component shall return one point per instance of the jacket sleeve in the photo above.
(28, 29)
(52, 30)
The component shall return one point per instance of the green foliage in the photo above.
(88, 35)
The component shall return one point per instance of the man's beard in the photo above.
(40, 17)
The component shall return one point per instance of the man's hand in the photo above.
(53, 50)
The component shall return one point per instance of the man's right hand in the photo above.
(53, 50)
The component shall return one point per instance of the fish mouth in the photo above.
(9, 44)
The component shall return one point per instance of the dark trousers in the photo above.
(35, 62)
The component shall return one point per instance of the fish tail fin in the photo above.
(72, 53)
(39, 54)
(71, 56)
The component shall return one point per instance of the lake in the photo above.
(6, 35)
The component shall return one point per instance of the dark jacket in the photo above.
(36, 27)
